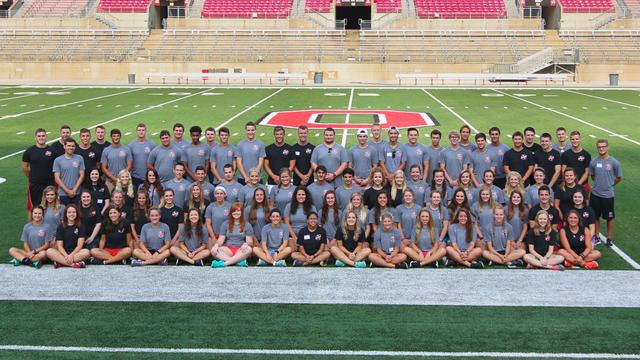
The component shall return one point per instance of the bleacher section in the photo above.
(460, 9)
(249, 46)
(634, 6)
(56, 8)
(321, 6)
(587, 6)
(388, 6)
(260, 9)
(449, 46)
(123, 6)
(604, 46)
(70, 45)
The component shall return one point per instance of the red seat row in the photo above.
(44, 8)
(322, 6)
(587, 6)
(389, 6)
(246, 9)
(460, 9)
(123, 5)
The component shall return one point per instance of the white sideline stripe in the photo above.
(451, 111)
(381, 87)
(346, 120)
(601, 98)
(245, 110)
(622, 254)
(570, 117)
(302, 352)
(112, 120)
(9, 116)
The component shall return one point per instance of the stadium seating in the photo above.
(123, 5)
(55, 8)
(389, 6)
(634, 6)
(460, 9)
(604, 46)
(321, 6)
(273, 9)
(587, 6)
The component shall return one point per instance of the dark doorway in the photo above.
(352, 14)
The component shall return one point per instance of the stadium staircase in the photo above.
(512, 9)
(298, 8)
(195, 9)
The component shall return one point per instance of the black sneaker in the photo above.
(26, 261)
(449, 263)
(434, 264)
(178, 262)
(198, 263)
(94, 261)
(415, 265)
(402, 265)
(609, 243)
(477, 265)
(518, 263)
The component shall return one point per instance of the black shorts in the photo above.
(34, 193)
(603, 207)
(501, 252)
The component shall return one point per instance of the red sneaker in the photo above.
(568, 264)
(591, 265)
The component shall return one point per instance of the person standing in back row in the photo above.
(578, 159)
(251, 154)
(68, 172)
(87, 150)
(100, 143)
(333, 156)
(279, 155)
(606, 173)
(302, 150)
(164, 158)
(140, 148)
(37, 165)
(115, 158)
(454, 159)
(498, 149)
(196, 154)
(518, 159)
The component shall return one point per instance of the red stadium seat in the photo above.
(123, 5)
(322, 6)
(460, 9)
(587, 6)
(246, 9)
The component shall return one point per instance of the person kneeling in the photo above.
(387, 241)
(311, 244)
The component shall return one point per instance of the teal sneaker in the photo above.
(339, 263)
(242, 263)
(217, 264)
(361, 264)
(36, 264)
(15, 262)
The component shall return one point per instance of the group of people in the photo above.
(380, 203)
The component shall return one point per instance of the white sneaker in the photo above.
(261, 263)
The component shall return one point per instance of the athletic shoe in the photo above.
(56, 265)
(558, 267)
(297, 263)
(262, 263)
(217, 264)
(280, 263)
(434, 264)
(609, 243)
(339, 263)
(164, 262)
(242, 263)
(415, 265)
(449, 263)
(322, 263)
(27, 261)
(515, 264)
(361, 264)
(591, 265)
(79, 265)
(124, 261)
(137, 263)
(490, 263)
(596, 240)
(15, 262)
(483, 262)
(94, 261)
(178, 262)
(36, 264)
(402, 265)
(198, 263)
(477, 265)
(568, 264)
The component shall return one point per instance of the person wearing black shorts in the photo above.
(37, 166)
(579, 159)
(518, 158)
(606, 173)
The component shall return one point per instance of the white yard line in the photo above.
(67, 104)
(601, 98)
(114, 119)
(23, 96)
(328, 353)
(247, 109)
(451, 111)
(570, 117)
(346, 120)
(622, 254)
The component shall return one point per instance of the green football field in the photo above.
(450, 332)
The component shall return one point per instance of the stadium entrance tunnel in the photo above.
(322, 119)
(353, 15)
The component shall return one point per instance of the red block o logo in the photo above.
(313, 119)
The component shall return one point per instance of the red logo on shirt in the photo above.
(308, 151)
(147, 149)
(122, 153)
(318, 237)
(47, 153)
(523, 157)
(75, 164)
(175, 214)
(580, 158)
(285, 152)
(91, 155)
(200, 152)
(40, 232)
(160, 234)
(459, 156)
(551, 157)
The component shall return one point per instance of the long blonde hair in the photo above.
(129, 190)
(191, 201)
(56, 201)
(490, 203)
(536, 226)
(430, 225)
(394, 187)
(508, 189)
(343, 226)
(361, 212)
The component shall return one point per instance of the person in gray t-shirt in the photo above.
(163, 158)
(463, 237)
(155, 241)
(481, 160)
(221, 155)
(178, 184)
(454, 159)
(501, 241)
(34, 236)
(193, 238)
(319, 187)
(362, 158)
(140, 150)
(332, 156)
(393, 155)
(606, 173)
(196, 154)
(68, 172)
(115, 157)
(250, 153)
(387, 241)
(416, 153)
(274, 247)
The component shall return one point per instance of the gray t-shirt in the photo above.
(484, 217)
(52, 218)
(424, 240)
(387, 241)
(196, 155)
(407, 217)
(217, 214)
(116, 158)
(458, 236)
(481, 162)
(140, 153)
(297, 220)
(329, 225)
(378, 146)
(164, 159)
(250, 152)
(605, 173)
(454, 161)
(515, 222)
(281, 196)
(317, 192)
(420, 189)
(245, 195)
(69, 170)
(532, 198)
(415, 156)
(498, 235)
(343, 195)
(331, 157)
(434, 160)
(275, 235)
(235, 237)
(194, 241)
(180, 189)
(439, 216)
(261, 221)
(393, 157)
(154, 237)
(219, 156)
(363, 159)
(498, 152)
(233, 191)
(36, 235)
